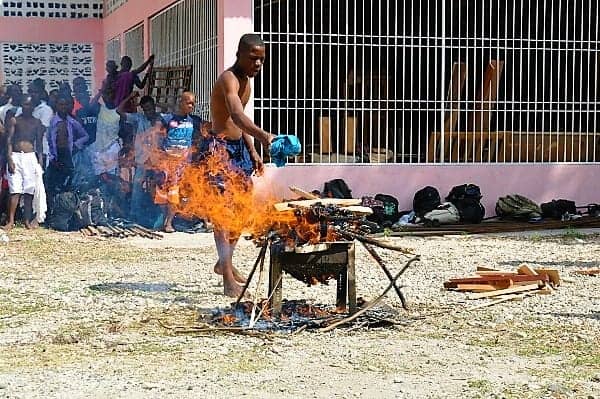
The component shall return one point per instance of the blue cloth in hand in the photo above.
(283, 146)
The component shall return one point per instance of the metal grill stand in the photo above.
(334, 259)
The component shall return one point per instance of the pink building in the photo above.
(389, 95)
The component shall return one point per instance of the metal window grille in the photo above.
(134, 45)
(186, 34)
(52, 9)
(113, 50)
(420, 81)
(112, 5)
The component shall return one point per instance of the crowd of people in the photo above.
(60, 145)
(66, 140)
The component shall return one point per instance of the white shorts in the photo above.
(24, 179)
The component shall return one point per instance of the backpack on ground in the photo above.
(445, 213)
(516, 206)
(464, 191)
(426, 200)
(337, 188)
(385, 209)
(390, 207)
(555, 209)
(63, 207)
(467, 199)
(593, 210)
(92, 210)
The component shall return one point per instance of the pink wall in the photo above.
(130, 14)
(47, 30)
(234, 18)
(539, 182)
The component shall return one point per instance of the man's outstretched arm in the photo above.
(236, 110)
(143, 67)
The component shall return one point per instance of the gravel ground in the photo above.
(78, 320)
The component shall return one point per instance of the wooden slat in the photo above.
(511, 290)
(457, 81)
(480, 119)
(325, 134)
(350, 135)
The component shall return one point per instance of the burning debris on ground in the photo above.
(296, 316)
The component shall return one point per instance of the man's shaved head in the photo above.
(250, 40)
(187, 103)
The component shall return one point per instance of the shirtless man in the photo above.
(232, 129)
(23, 153)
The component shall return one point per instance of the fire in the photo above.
(211, 190)
(229, 319)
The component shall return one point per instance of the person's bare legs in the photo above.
(13, 203)
(225, 247)
(222, 240)
(30, 222)
(168, 224)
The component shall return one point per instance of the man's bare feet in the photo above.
(231, 289)
(8, 226)
(168, 229)
(239, 277)
(32, 225)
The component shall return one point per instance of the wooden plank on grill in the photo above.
(303, 193)
(290, 205)
(363, 210)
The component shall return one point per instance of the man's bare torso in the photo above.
(220, 115)
(25, 136)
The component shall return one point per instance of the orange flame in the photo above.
(235, 209)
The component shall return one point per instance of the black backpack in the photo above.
(556, 208)
(466, 198)
(387, 212)
(426, 200)
(92, 210)
(63, 207)
(470, 210)
(336, 188)
(464, 191)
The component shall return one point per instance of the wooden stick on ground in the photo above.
(374, 302)
(511, 290)
(381, 264)
(509, 297)
(259, 259)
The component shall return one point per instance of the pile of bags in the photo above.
(461, 205)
